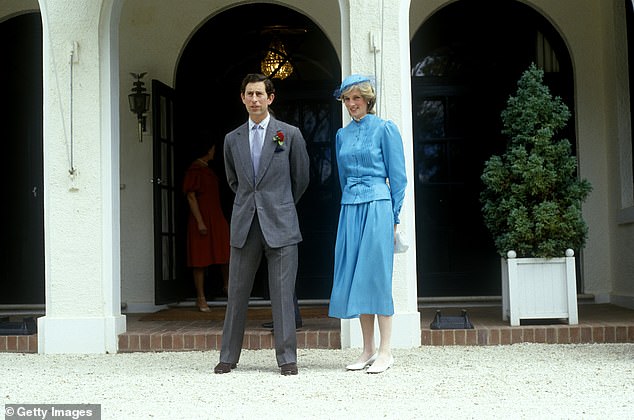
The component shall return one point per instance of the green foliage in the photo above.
(532, 198)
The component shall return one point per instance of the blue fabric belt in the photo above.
(351, 181)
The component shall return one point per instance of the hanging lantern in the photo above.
(276, 62)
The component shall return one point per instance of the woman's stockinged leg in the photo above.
(367, 330)
(384, 360)
(385, 331)
(199, 283)
(369, 349)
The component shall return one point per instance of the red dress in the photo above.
(212, 248)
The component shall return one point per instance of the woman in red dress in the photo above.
(207, 228)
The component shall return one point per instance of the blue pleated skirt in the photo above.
(364, 258)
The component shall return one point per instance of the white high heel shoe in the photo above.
(380, 368)
(362, 365)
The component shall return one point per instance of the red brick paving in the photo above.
(598, 323)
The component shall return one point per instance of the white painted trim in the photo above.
(79, 335)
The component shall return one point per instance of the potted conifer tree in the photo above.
(531, 204)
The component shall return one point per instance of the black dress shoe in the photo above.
(224, 367)
(298, 324)
(288, 369)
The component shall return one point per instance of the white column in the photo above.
(81, 205)
(375, 40)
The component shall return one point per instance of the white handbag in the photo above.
(400, 243)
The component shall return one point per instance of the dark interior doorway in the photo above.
(223, 50)
(22, 239)
(466, 60)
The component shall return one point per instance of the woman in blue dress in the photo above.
(371, 165)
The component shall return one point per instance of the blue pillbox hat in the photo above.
(353, 79)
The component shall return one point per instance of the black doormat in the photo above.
(442, 322)
(27, 326)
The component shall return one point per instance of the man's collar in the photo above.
(264, 123)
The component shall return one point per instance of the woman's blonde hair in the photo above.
(367, 92)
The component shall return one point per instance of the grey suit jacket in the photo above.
(282, 179)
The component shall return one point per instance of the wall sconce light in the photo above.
(276, 62)
(139, 102)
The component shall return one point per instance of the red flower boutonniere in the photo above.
(279, 138)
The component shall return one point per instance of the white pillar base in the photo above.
(405, 332)
(57, 335)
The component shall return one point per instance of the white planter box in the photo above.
(539, 288)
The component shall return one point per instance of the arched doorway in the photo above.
(22, 243)
(224, 49)
(466, 60)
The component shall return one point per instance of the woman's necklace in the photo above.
(202, 162)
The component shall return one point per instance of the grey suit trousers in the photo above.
(282, 272)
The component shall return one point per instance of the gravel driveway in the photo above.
(532, 381)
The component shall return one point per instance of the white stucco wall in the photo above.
(73, 203)
(82, 276)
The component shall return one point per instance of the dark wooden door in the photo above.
(453, 138)
(168, 285)
(22, 239)
(318, 116)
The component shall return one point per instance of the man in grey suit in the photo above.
(268, 170)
